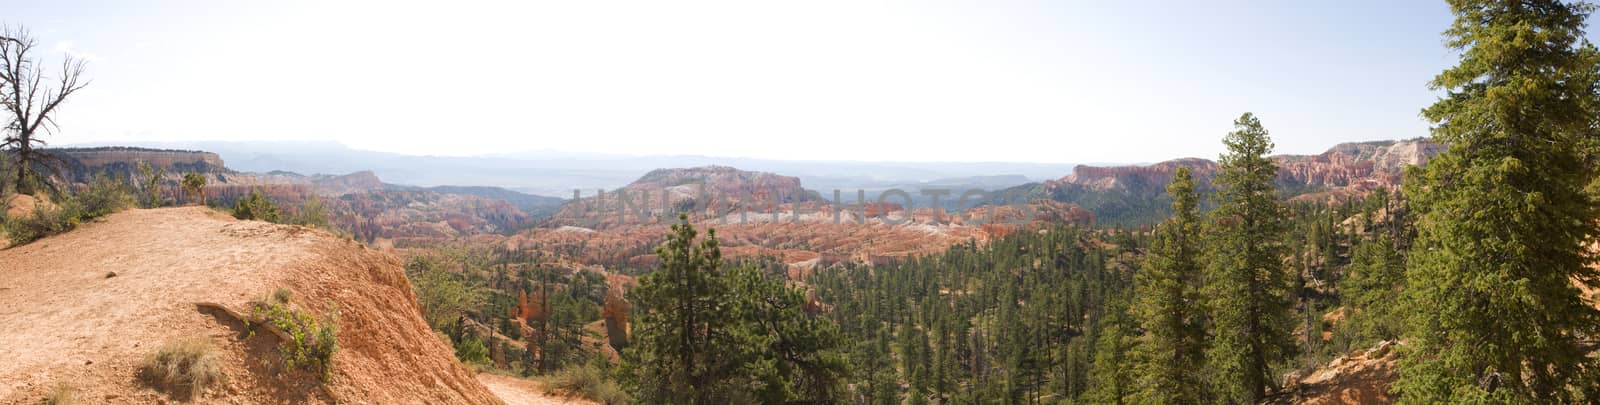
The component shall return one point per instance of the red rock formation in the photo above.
(709, 191)
(171, 160)
(350, 183)
(1351, 168)
(615, 313)
(530, 308)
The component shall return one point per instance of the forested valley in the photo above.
(1473, 274)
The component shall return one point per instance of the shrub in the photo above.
(444, 296)
(61, 394)
(281, 295)
(311, 342)
(194, 187)
(472, 351)
(312, 214)
(190, 364)
(257, 207)
(150, 178)
(44, 222)
(104, 197)
(588, 381)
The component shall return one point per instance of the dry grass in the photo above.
(191, 365)
(62, 394)
(587, 382)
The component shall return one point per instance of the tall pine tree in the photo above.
(1501, 215)
(1171, 353)
(1246, 283)
(1110, 380)
(684, 336)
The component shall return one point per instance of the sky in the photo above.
(1015, 81)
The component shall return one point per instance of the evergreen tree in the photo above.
(1110, 379)
(1246, 283)
(792, 356)
(1501, 215)
(1375, 277)
(1168, 308)
(150, 178)
(256, 206)
(194, 187)
(684, 351)
(713, 336)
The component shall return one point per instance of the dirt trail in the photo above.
(83, 308)
(517, 391)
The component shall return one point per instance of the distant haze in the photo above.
(557, 174)
(973, 81)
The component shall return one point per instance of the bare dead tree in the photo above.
(31, 101)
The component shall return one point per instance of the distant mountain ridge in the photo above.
(1118, 195)
(1136, 195)
(533, 205)
(358, 202)
(557, 174)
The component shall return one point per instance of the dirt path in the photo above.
(517, 391)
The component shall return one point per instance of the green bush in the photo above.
(150, 178)
(590, 382)
(471, 351)
(312, 214)
(191, 364)
(104, 197)
(312, 342)
(256, 206)
(44, 222)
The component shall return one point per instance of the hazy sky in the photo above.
(1045, 81)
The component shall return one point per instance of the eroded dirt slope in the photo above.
(83, 308)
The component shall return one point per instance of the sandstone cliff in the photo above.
(1136, 195)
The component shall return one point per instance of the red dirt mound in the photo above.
(82, 309)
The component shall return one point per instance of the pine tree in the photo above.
(710, 335)
(1501, 215)
(1171, 353)
(1246, 284)
(684, 352)
(1376, 276)
(792, 356)
(1110, 379)
(194, 187)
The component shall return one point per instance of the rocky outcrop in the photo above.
(417, 216)
(1104, 178)
(722, 181)
(1133, 195)
(706, 190)
(169, 159)
(1360, 377)
(1355, 164)
(356, 182)
(358, 202)
(615, 313)
(1350, 164)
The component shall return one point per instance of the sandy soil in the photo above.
(83, 308)
(517, 391)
